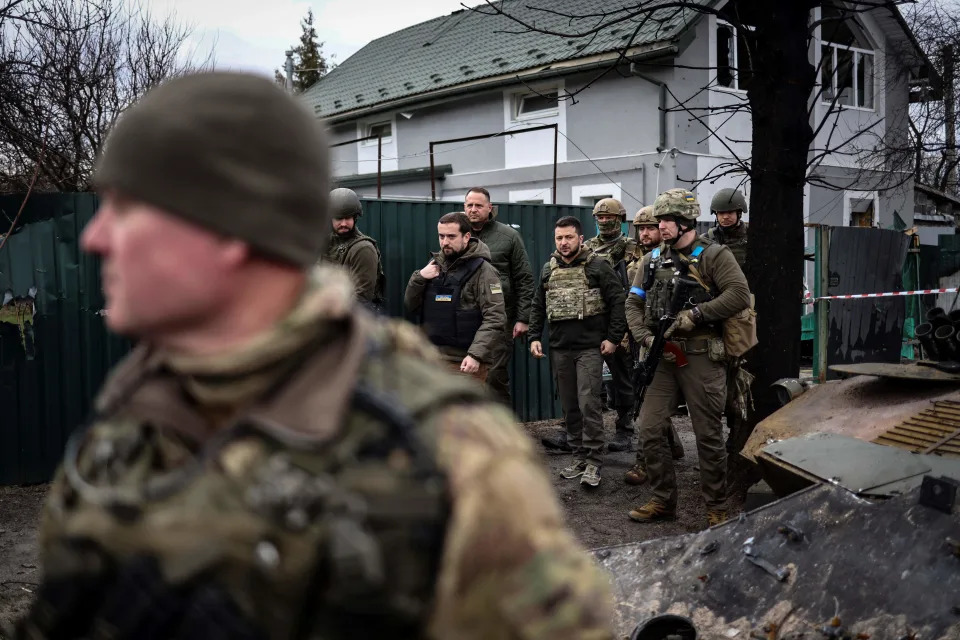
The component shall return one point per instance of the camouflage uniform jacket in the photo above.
(633, 260)
(483, 290)
(717, 267)
(589, 332)
(503, 566)
(734, 237)
(613, 250)
(509, 256)
(360, 255)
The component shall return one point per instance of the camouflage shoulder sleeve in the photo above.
(510, 568)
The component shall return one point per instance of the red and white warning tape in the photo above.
(888, 294)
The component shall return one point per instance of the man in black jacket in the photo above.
(582, 298)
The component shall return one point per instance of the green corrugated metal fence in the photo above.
(47, 383)
(407, 233)
(46, 386)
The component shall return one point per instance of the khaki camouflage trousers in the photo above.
(703, 383)
(579, 379)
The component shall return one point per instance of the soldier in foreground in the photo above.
(272, 461)
(647, 228)
(458, 296)
(581, 297)
(721, 292)
(352, 249)
(613, 246)
(509, 256)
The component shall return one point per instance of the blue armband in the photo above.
(639, 292)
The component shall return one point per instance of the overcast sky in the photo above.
(253, 34)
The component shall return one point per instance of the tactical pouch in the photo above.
(593, 304)
(716, 350)
(740, 331)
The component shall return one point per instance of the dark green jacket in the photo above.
(735, 238)
(589, 332)
(509, 256)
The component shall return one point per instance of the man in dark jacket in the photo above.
(582, 298)
(516, 279)
(460, 299)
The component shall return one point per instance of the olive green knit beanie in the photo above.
(231, 152)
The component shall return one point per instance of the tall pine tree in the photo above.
(309, 63)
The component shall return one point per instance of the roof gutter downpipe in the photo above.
(663, 103)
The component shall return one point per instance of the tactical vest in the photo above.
(615, 252)
(310, 537)
(446, 324)
(337, 252)
(568, 292)
(658, 286)
(736, 243)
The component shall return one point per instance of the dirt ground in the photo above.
(597, 516)
(19, 573)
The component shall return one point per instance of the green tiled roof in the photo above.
(468, 45)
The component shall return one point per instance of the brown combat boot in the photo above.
(653, 511)
(636, 476)
(716, 516)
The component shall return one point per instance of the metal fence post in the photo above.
(821, 308)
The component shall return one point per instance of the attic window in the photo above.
(383, 92)
(408, 86)
(337, 104)
(532, 105)
(383, 129)
(359, 97)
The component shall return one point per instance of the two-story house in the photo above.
(473, 99)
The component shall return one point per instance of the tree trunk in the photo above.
(779, 93)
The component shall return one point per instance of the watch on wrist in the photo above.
(697, 315)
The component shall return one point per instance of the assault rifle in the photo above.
(644, 370)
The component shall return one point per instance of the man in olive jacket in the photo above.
(509, 256)
(460, 299)
(582, 298)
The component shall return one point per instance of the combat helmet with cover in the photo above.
(679, 204)
(645, 217)
(609, 206)
(345, 203)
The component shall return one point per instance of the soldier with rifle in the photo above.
(696, 329)
(647, 234)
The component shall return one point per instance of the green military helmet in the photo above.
(345, 203)
(645, 217)
(610, 206)
(677, 203)
(728, 200)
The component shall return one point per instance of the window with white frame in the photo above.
(860, 209)
(734, 63)
(847, 69)
(587, 195)
(382, 129)
(536, 104)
